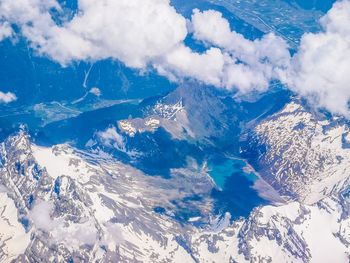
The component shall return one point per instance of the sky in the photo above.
(150, 34)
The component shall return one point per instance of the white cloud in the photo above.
(319, 71)
(144, 33)
(111, 138)
(321, 68)
(40, 215)
(134, 32)
(7, 97)
(61, 231)
(209, 26)
(252, 64)
(183, 62)
(231, 61)
(5, 30)
(96, 91)
(113, 236)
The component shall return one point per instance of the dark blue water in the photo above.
(235, 194)
(222, 170)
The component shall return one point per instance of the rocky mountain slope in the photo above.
(304, 155)
(60, 204)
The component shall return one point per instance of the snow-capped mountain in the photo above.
(160, 131)
(74, 206)
(303, 155)
(60, 204)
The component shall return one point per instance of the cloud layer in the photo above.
(111, 138)
(5, 30)
(321, 68)
(249, 65)
(61, 231)
(150, 34)
(7, 97)
(143, 33)
(134, 32)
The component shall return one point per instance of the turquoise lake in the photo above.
(236, 193)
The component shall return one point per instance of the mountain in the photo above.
(63, 204)
(304, 155)
(175, 131)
